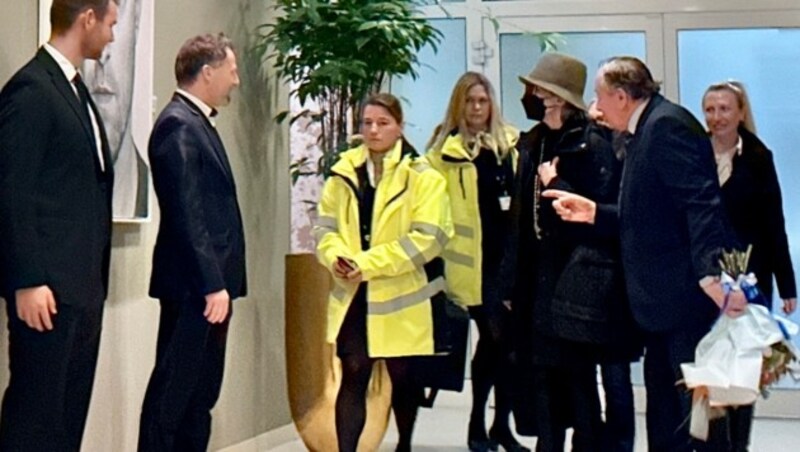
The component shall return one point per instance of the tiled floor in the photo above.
(444, 428)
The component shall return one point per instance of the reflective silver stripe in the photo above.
(413, 253)
(430, 229)
(458, 258)
(408, 300)
(464, 231)
(323, 226)
(319, 232)
(328, 223)
(338, 293)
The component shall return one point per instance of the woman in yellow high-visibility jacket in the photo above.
(384, 214)
(473, 148)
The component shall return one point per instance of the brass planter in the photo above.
(313, 370)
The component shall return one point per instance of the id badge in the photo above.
(505, 203)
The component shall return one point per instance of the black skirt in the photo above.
(352, 338)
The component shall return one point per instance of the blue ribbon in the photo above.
(752, 294)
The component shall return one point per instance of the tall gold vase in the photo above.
(314, 371)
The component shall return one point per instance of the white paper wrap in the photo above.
(728, 361)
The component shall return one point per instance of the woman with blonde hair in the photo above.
(383, 217)
(752, 198)
(473, 148)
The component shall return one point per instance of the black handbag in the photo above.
(445, 369)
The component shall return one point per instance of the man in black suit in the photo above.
(672, 229)
(55, 231)
(198, 262)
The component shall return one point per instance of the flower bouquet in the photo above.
(740, 357)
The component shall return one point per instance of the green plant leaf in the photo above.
(337, 52)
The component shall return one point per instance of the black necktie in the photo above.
(83, 94)
(83, 98)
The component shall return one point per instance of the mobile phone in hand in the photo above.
(345, 263)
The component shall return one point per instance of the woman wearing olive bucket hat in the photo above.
(564, 278)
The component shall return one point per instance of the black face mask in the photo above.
(534, 107)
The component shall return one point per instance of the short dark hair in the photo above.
(199, 51)
(64, 12)
(631, 75)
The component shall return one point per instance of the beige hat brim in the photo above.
(555, 89)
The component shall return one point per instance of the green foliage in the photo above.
(338, 52)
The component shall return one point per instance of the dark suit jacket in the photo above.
(200, 244)
(752, 199)
(671, 220)
(55, 202)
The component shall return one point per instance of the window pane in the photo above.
(425, 99)
(519, 53)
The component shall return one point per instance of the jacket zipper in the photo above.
(397, 196)
(461, 182)
(353, 188)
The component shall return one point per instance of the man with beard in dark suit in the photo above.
(672, 230)
(55, 231)
(198, 262)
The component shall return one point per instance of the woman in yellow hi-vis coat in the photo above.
(384, 214)
(474, 149)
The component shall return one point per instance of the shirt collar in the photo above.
(637, 114)
(208, 112)
(66, 66)
(733, 150)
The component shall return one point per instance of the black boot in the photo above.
(477, 441)
(505, 438)
(740, 422)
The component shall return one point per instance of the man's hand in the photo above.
(35, 305)
(217, 306)
(572, 207)
(789, 305)
(737, 302)
(548, 171)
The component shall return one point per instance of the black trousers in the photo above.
(620, 411)
(52, 373)
(668, 403)
(186, 381)
(568, 397)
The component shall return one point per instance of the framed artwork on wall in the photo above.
(121, 84)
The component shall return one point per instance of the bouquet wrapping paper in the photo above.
(729, 360)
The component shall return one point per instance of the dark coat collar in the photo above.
(64, 87)
(211, 132)
(653, 103)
